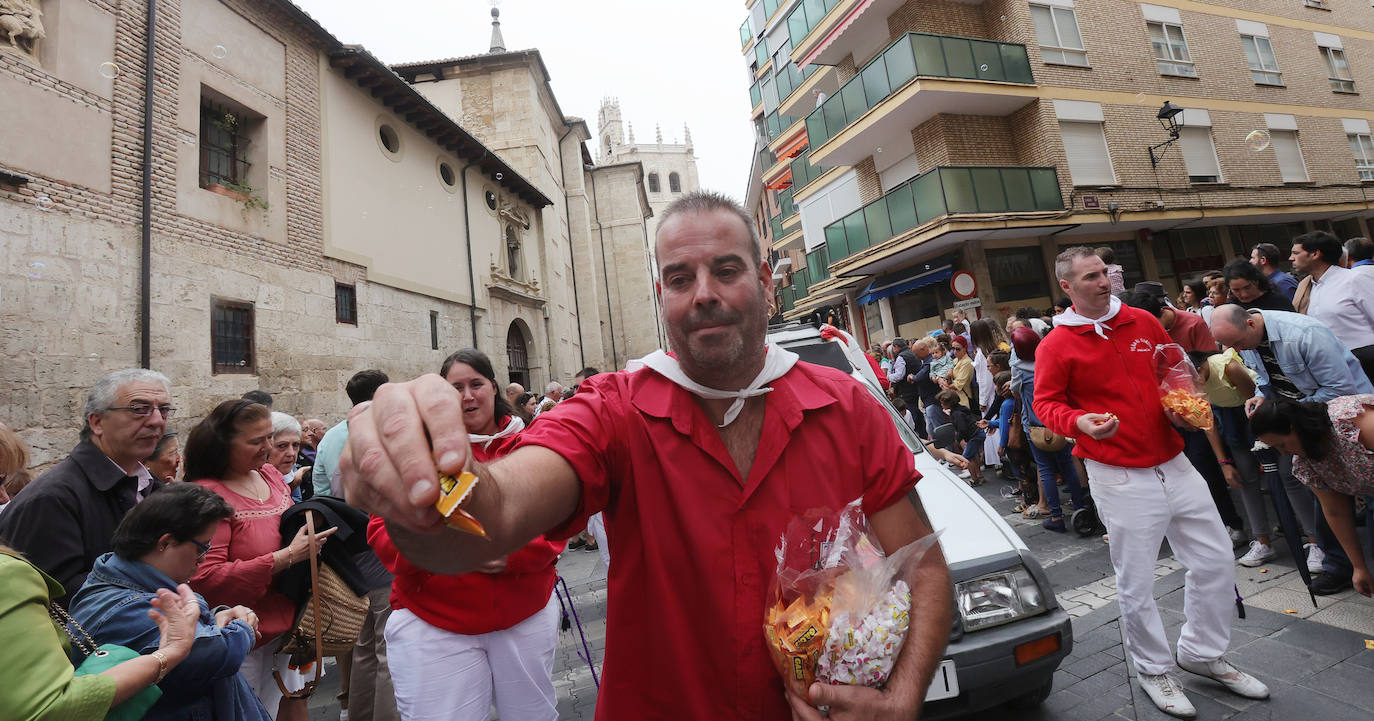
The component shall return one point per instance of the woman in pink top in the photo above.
(227, 453)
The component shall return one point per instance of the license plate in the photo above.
(945, 683)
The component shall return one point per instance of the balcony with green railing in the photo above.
(807, 15)
(818, 263)
(803, 172)
(745, 35)
(786, 207)
(789, 299)
(943, 191)
(917, 55)
(773, 125)
(775, 227)
(755, 96)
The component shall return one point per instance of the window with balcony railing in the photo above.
(1363, 148)
(818, 264)
(786, 208)
(1171, 49)
(745, 34)
(944, 191)
(807, 15)
(916, 55)
(755, 96)
(1259, 55)
(1338, 70)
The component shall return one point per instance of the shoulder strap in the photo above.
(309, 688)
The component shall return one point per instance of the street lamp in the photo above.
(1168, 119)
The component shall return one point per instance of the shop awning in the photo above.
(917, 276)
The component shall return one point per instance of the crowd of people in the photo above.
(194, 558)
(1284, 362)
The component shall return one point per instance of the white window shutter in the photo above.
(1199, 156)
(1086, 147)
(1291, 165)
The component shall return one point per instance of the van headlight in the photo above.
(998, 598)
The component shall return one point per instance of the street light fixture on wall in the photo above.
(1168, 119)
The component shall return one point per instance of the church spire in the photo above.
(498, 43)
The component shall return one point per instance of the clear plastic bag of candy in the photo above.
(838, 607)
(1180, 386)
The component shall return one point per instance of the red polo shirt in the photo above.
(693, 552)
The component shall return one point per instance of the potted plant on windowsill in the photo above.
(246, 196)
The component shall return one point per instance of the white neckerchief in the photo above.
(513, 426)
(775, 364)
(1071, 317)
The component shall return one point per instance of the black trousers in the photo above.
(1199, 453)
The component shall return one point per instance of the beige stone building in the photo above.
(903, 142)
(301, 212)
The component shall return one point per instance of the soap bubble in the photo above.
(44, 202)
(219, 52)
(419, 188)
(1003, 18)
(1257, 140)
(983, 67)
(108, 70)
(36, 270)
(1140, 98)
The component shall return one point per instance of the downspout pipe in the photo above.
(605, 272)
(145, 281)
(572, 252)
(467, 243)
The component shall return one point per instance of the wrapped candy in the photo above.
(453, 490)
(840, 609)
(1180, 387)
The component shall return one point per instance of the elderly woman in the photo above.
(1333, 448)
(158, 545)
(285, 448)
(166, 458)
(40, 682)
(227, 453)
(458, 644)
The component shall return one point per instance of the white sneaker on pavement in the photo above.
(1221, 670)
(1237, 536)
(1258, 554)
(1167, 695)
(1315, 557)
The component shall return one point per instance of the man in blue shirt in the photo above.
(1263, 256)
(1299, 358)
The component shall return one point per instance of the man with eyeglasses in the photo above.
(66, 519)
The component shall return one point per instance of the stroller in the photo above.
(1085, 521)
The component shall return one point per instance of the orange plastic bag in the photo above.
(1180, 387)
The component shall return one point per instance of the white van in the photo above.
(1009, 632)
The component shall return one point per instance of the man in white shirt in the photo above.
(1341, 298)
(553, 393)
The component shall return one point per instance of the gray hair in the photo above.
(283, 422)
(1063, 263)
(553, 386)
(102, 394)
(707, 201)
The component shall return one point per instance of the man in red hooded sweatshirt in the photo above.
(1096, 381)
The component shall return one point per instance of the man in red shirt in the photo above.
(723, 444)
(1096, 381)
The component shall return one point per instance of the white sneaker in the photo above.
(343, 714)
(1315, 557)
(1237, 536)
(1167, 695)
(1258, 554)
(1221, 670)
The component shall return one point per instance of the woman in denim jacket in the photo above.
(158, 545)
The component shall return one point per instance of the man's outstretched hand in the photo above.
(394, 443)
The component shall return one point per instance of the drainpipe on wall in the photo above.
(572, 255)
(605, 273)
(467, 241)
(145, 281)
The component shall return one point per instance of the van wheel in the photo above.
(1034, 698)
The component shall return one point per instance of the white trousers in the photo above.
(1141, 507)
(257, 670)
(444, 676)
(597, 527)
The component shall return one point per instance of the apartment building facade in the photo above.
(904, 143)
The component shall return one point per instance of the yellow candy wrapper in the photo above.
(452, 492)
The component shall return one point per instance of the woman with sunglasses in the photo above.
(159, 544)
(227, 453)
